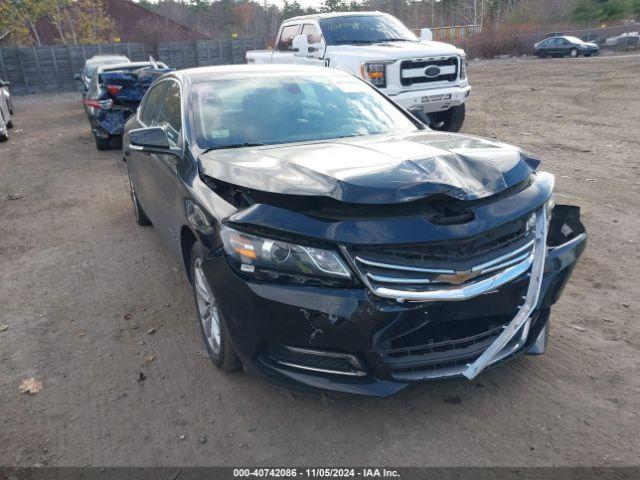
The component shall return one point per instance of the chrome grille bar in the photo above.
(405, 268)
(490, 263)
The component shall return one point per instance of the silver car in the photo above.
(6, 110)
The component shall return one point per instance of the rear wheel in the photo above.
(212, 324)
(450, 120)
(573, 52)
(9, 124)
(102, 143)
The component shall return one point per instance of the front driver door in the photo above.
(163, 184)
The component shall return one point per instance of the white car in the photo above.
(6, 110)
(423, 76)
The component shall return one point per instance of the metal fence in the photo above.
(51, 68)
(626, 36)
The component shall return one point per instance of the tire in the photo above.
(141, 216)
(9, 124)
(574, 53)
(4, 137)
(102, 143)
(216, 340)
(450, 120)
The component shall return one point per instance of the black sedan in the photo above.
(564, 46)
(333, 241)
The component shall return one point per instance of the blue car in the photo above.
(114, 94)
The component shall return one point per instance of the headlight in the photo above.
(375, 73)
(463, 68)
(270, 257)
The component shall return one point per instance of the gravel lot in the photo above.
(81, 286)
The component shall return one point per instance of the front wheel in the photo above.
(141, 216)
(212, 324)
(450, 120)
(9, 124)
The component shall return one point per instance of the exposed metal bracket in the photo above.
(531, 300)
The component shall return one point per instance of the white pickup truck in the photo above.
(421, 75)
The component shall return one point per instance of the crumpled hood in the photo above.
(377, 169)
(397, 50)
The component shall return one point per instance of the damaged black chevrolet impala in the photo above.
(333, 241)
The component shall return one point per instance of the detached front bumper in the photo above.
(349, 340)
(433, 100)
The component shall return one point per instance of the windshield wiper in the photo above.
(233, 145)
(355, 42)
(395, 40)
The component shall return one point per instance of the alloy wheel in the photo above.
(208, 312)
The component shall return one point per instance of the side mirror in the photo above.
(426, 35)
(77, 77)
(300, 46)
(151, 140)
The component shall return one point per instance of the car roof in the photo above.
(221, 72)
(320, 16)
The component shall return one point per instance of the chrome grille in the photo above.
(426, 273)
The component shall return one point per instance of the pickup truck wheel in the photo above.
(212, 323)
(102, 143)
(450, 120)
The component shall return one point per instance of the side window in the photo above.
(150, 106)
(312, 33)
(171, 114)
(286, 38)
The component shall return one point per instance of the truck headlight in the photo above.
(375, 73)
(255, 254)
(463, 68)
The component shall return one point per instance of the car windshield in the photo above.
(277, 109)
(363, 29)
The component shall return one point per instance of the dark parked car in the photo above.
(6, 111)
(84, 78)
(564, 46)
(335, 242)
(114, 95)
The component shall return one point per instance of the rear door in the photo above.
(283, 52)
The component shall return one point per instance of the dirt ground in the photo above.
(81, 286)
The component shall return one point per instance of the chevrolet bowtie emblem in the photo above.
(457, 278)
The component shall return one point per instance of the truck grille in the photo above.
(414, 72)
(441, 265)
